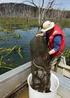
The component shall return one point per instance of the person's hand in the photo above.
(52, 51)
(48, 57)
(38, 35)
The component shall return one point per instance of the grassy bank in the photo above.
(67, 55)
(10, 23)
(63, 23)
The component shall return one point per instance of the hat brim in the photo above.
(51, 26)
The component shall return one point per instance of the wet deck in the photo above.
(63, 90)
(23, 93)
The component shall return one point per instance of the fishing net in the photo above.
(40, 67)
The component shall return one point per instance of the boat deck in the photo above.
(23, 93)
(63, 90)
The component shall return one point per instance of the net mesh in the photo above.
(40, 67)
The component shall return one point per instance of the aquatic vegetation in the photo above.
(8, 36)
(63, 22)
(1, 61)
(11, 56)
(5, 56)
(9, 51)
(9, 24)
(67, 55)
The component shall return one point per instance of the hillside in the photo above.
(23, 10)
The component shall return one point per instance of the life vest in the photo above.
(57, 31)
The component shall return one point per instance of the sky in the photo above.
(59, 4)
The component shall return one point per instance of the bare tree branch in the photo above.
(41, 10)
(50, 4)
(46, 9)
(42, 3)
(31, 2)
(34, 3)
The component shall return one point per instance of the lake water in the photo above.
(67, 36)
(11, 39)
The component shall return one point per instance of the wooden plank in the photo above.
(66, 73)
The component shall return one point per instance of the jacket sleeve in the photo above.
(57, 42)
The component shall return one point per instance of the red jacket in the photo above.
(57, 31)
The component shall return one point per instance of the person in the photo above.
(55, 40)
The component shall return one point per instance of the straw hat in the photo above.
(47, 25)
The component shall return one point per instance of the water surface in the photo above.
(22, 39)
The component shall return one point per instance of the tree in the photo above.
(42, 9)
(40, 66)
